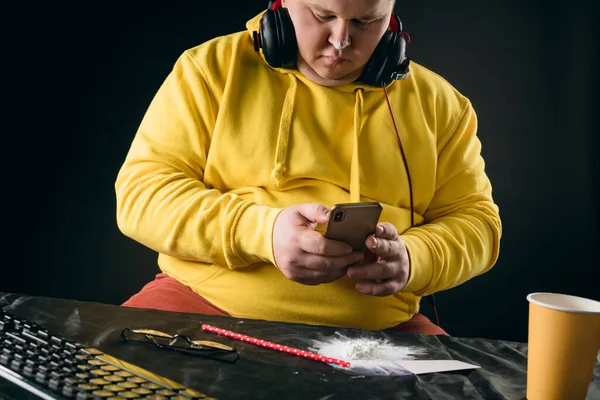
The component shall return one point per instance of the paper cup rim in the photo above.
(592, 303)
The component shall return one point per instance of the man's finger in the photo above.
(384, 248)
(326, 263)
(370, 257)
(314, 212)
(315, 243)
(311, 277)
(375, 271)
(385, 230)
(384, 288)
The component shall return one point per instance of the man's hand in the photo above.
(304, 255)
(386, 270)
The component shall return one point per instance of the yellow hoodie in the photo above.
(228, 142)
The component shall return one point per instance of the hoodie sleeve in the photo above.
(162, 202)
(460, 238)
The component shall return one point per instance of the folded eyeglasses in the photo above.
(182, 344)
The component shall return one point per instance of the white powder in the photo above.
(367, 356)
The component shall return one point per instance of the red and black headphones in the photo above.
(277, 39)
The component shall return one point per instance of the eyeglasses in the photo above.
(182, 344)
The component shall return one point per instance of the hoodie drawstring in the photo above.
(283, 138)
(355, 166)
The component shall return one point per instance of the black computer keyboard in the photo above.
(48, 366)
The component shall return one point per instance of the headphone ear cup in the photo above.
(278, 38)
(385, 60)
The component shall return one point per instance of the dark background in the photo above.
(78, 78)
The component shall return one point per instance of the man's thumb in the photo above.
(314, 212)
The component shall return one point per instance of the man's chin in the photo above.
(337, 75)
(327, 75)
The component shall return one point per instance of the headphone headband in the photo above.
(395, 23)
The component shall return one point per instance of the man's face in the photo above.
(337, 37)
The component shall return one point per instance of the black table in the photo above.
(263, 373)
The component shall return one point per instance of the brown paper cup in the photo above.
(564, 338)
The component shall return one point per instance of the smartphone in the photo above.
(353, 222)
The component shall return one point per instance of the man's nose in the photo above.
(339, 36)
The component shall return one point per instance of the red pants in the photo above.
(168, 294)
